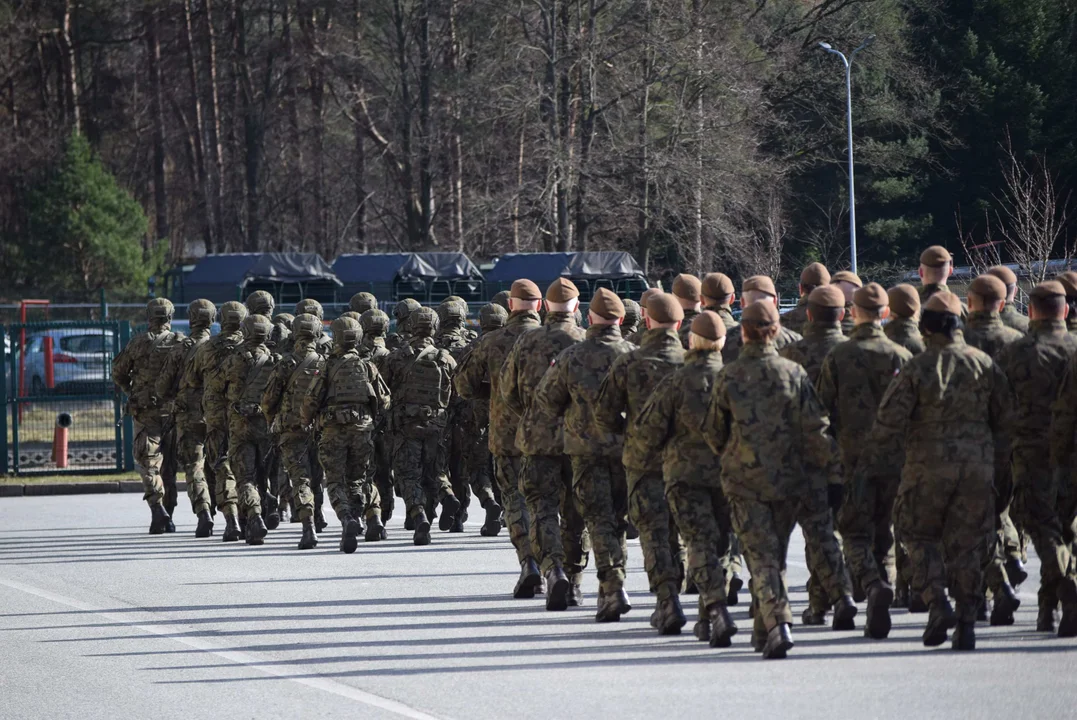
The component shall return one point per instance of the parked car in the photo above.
(81, 359)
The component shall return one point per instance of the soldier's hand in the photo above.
(834, 495)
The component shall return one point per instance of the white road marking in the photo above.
(239, 658)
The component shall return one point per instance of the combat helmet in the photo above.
(361, 302)
(375, 323)
(492, 317)
(257, 328)
(201, 313)
(306, 326)
(347, 333)
(310, 307)
(159, 311)
(260, 302)
(424, 322)
(233, 313)
(403, 310)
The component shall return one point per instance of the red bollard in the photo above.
(50, 368)
(59, 440)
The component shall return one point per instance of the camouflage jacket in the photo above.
(627, 388)
(1012, 318)
(810, 351)
(769, 428)
(670, 424)
(906, 333)
(203, 375)
(686, 327)
(797, 318)
(569, 389)
(949, 403)
(480, 376)
(985, 331)
(397, 340)
(374, 349)
(291, 384)
(530, 358)
(726, 313)
(244, 409)
(1035, 367)
(734, 342)
(139, 365)
(1064, 418)
(852, 381)
(395, 373)
(186, 400)
(321, 405)
(926, 291)
(848, 324)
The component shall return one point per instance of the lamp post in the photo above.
(849, 127)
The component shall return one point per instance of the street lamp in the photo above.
(849, 126)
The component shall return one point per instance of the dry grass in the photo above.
(94, 421)
(73, 478)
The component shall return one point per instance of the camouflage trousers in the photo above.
(469, 461)
(224, 488)
(295, 458)
(509, 470)
(345, 452)
(663, 553)
(191, 455)
(865, 521)
(249, 450)
(601, 493)
(701, 512)
(381, 475)
(149, 458)
(1003, 539)
(1036, 506)
(419, 466)
(943, 516)
(764, 530)
(557, 528)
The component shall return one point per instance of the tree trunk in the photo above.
(199, 146)
(213, 126)
(587, 124)
(519, 191)
(252, 132)
(360, 139)
(697, 215)
(643, 211)
(322, 241)
(456, 154)
(160, 193)
(70, 68)
(412, 213)
(293, 151)
(426, 71)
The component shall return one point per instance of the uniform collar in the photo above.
(865, 331)
(604, 332)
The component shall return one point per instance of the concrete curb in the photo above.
(81, 488)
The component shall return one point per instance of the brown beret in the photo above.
(717, 286)
(945, 302)
(647, 295)
(815, 274)
(1069, 281)
(1004, 274)
(935, 256)
(759, 283)
(871, 297)
(847, 276)
(827, 296)
(664, 308)
(904, 300)
(760, 314)
(562, 290)
(708, 324)
(1048, 289)
(687, 287)
(606, 304)
(525, 290)
(988, 287)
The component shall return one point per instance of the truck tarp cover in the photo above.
(387, 267)
(613, 265)
(219, 275)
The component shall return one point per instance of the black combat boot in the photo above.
(964, 636)
(309, 541)
(981, 612)
(409, 523)
(422, 529)
(256, 531)
(1006, 604)
(859, 594)
(702, 629)
(732, 599)
(450, 506)
(939, 621)
(611, 606)
(492, 525)
(1045, 620)
(231, 528)
(575, 594)
(349, 536)
(779, 642)
(880, 595)
(272, 513)
(530, 580)
(242, 526)
(916, 603)
(557, 589)
(1067, 593)
(722, 626)
(170, 527)
(1015, 571)
(375, 529)
(670, 617)
(844, 612)
(158, 520)
(319, 520)
(813, 617)
(205, 525)
(631, 532)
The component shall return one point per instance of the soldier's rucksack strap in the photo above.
(309, 360)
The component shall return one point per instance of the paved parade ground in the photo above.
(101, 620)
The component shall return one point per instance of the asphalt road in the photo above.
(100, 620)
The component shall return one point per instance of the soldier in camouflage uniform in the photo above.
(811, 277)
(758, 287)
(201, 375)
(292, 381)
(950, 404)
(243, 380)
(375, 324)
(848, 282)
(822, 333)
(502, 299)
(479, 377)
(718, 296)
(322, 342)
(624, 392)
(904, 324)
(777, 464)
(135, 371)
(345, 402)
(420, 376)
(687, 291)
(1011, 317)
(936, 267)
(1036, 366)
(402, 312)
(455, 338)
(633, 317)
(187, 413)
(851, 384)
(281, 340)
(546, 479)
(669, 428)
(260, 302)
(569, 390)
(984, 331)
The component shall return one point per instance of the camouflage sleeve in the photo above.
(193, 376)
(167, 386)
(818, 449)
(897, 406)
(315, 399)
(510, 391)
(716, 423)
(381, 389)
(654, 426)
(551, 395)
(471, 375)
(1001, 412)
(1064, 418)
(222, 384)
(612, 399)
(826, 387)
(274, 392)
(123, 365)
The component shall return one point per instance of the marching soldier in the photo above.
(903, 327)
(811, 277)
(758, 287)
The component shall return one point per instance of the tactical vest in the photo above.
(425, 382)
(300, 383)
(180, 391)
(259, 372)
(349, 383)
(149, 366)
